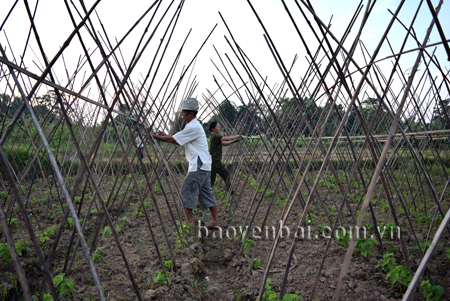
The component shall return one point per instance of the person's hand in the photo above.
(242, 137)
(161, 133)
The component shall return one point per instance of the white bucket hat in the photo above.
(191, 104)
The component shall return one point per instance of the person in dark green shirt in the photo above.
(215, 149)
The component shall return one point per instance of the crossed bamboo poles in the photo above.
(262, 104)
(368, 195)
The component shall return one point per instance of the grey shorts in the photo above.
(197, 186)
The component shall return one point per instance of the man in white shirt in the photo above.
(140, 147)
(197, 184)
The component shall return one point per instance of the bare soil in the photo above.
(208, 267)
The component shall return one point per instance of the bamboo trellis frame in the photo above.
(324, 134)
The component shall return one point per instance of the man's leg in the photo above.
(189, 195)
(215, 220)
(190, 217)
(206, 198)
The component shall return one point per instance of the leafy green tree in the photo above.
(352, 125)
(440, 120)
(4, 104)
(251, 119)
(288, 108)
(383, 121)
(334, 120)
(228, 111)
(47, 108)
(9, 105)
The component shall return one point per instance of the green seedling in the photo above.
(321, 227)
(13, 223)
(4, 253)
(343, 240)
(106, 231)
(269, 192)
(385, 206)
(161, 279)
(181, 244)
(400, 275)
(310, 218)
(169, 265)
(57, 207)
(364, 246)
(281, 201)
(20, 246)
(431, 292)
(256, 263)
(183, 226)
(45, 297)
(222, 193)
(230, 219)
(269, 294)
(48, 233)
(248, 243)
(64, 286)
(69, 223)
(423, 246)
(97, 257)
(386, 264)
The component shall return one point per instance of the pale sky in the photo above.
(54, 26)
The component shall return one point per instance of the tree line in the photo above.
(256, 118)
(289, 110)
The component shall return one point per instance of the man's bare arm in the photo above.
(164, 138)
